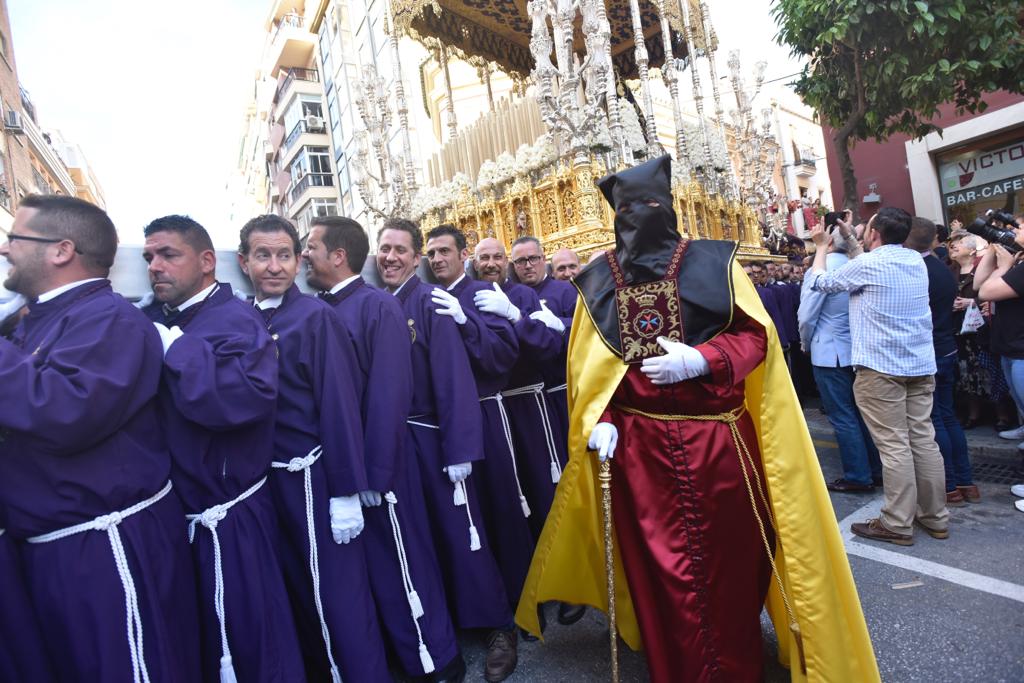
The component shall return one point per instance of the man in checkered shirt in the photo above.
(891, 327)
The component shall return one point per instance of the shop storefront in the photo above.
(985, 174)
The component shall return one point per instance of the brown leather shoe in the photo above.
(501, 656)
(970, 493)
(955, 499)
(941, 534)
(874, 530)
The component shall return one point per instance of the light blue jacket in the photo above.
(824, 321)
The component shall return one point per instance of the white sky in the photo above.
(154, 91)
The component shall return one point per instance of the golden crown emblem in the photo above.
(646, 299)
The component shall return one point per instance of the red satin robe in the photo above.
(694, 558)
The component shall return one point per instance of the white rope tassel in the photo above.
(474, 536)
(415, 606)
(303, 465)
(507, 428)
(133, 617)
(210, 518)
(549, 435)
(459, 495)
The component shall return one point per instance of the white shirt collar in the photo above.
(399, 288)
(341, 285)
(197, 298)
(269, 302)
(54, 293)
(452, 285)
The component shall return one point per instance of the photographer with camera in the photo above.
(999, 278)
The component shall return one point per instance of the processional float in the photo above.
(581, 107)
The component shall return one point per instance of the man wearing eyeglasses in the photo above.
(558, 305)
(83, 464)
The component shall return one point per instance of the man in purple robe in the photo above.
(319, 476)
(83, 463)
(446, 436)
(217, 401)
(404, 572)
(557, 307)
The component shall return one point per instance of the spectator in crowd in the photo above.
(565, 263)
(949, 435)
(890, 326)
(980, 379)
(941, 250)
(825, 335)
(999, 278)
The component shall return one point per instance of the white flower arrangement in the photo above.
(695, 147)
(631, 129)
(485, 177)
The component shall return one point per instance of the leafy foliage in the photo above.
(879, 67)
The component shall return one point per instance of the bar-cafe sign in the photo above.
(983, 175)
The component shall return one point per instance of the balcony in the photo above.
(291, 43)
(308, 181)
(805, 167)
(293, 75)
(304, 126)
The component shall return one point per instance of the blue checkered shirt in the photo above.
(890, 321)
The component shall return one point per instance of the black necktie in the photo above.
(170, 312)
(267, 313)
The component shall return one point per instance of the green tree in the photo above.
(879, 67)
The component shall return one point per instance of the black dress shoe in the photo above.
(569, 614)
(453, 672)
(843, 486)
(542, 619)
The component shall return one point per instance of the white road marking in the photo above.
(979, 582)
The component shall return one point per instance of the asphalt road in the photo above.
(949, 610)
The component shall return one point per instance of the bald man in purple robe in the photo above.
(84, 465)
(218, 397)
(404, 569)
(319, 476)
(446, 435)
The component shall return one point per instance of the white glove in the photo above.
(603, 438)
(680, 362)
(369, 499)
(551, 320)
(146, 300)
(457, 473)
(168, 336)
(11, 307)
(346, 518)
(497, 302)
(448, 305)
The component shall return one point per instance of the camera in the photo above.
(983, 228)
(833, 217)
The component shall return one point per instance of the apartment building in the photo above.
(31, 160)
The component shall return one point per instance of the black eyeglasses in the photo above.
(45, 240)
(532, 260)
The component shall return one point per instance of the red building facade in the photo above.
(976, 164)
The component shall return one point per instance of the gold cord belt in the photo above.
(731, 418)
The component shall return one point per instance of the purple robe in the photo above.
(81, 439)
(218, 398)
(525, 401)
(22, 657)
(560, 297)
(493, 344)
(445, 429)
(380, 335)
(319, 385)
(771, 298)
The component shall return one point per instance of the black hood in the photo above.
(645, 235)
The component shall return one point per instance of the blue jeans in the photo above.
(861, 463)
(1013, 368)
(949, 435)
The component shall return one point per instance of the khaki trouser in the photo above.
(897, 411)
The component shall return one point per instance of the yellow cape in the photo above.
(569, 561)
